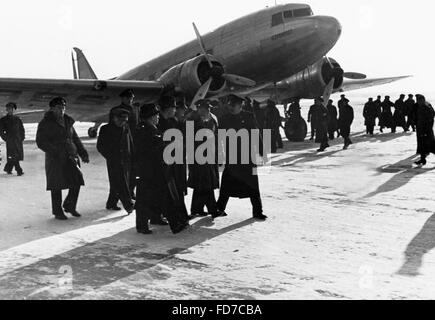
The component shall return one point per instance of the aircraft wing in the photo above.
(88, 100)
(350, 85)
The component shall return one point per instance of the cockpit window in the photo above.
(305, 12)
(277, 19)
(288, 14)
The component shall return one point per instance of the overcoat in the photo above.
(62, 147)
(425, 135)
(12, 132)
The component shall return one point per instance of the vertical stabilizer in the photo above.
(84, 68)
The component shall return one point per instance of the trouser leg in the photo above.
(279, 139)
(132, 184)
(8, 167)
(257, 206)
(197, 206)
(274, 141)
(56, 202)
(313, 130)
(18, 168)
(72, 198)
(222, 201)
(210, 202)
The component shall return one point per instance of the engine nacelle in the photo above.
(312, 81)
(190, 75)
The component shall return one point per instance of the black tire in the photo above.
(296, 130)
(92, 133)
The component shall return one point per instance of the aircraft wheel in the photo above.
(92, 133)
(296, 130)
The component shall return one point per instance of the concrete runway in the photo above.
(355, 224)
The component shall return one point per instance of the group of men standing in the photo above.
(325, 121)
(405, 113)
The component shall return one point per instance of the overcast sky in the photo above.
(380, 37)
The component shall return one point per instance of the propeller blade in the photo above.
(238, 80)
(202, 92)
(201, 44)
(354, 75)
(328, 92)
(329, 61)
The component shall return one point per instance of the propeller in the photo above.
(330, 87)
(216, 71)
(355, 75)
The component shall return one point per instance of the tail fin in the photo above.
(84, 68)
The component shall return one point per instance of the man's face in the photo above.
(155, 119)
(179, 113)
(10, 111)
(235, 108)
(203, 112)
(120, 120)
(59, 109)
(128, 100)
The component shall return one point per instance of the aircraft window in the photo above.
(305, 12)
(288, 14)
(277, 19)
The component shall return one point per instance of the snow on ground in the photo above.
(354, 224)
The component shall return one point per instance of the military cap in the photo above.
(402, 95)
(56, 101)
(234, 98)
(148, 110)
(127, 93)
(320, 99)
(11, 105)
(203, 103)
(420, 97)
(410, 95)
(343, 95)
(166, 102)
(120, 112)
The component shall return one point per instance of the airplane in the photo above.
(276, 52)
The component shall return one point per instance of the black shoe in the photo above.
(73, 212)
(321, 149)
(159, 222)
(199, 214)
(145, 231)
(113, 208)
(260, 216)
(60, 217)
(20, 174)
(421, 162)
(180, 227)
(217, 214)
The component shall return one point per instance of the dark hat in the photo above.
(11, 105)
(270, 102)
(343, 95)
(203, 104)
(420, 97)
(235, 98)
(166, 102)
(410, 95)
(402, 96)
(127, 93)
(148, 110)
(117, 112)
(56, 101)
(320, 99)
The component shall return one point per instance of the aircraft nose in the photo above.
(328, 29)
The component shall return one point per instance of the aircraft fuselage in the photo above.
(266, 46)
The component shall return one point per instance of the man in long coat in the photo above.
(332, 119)
(127, 99)
(410, 112)
(313, 119)
(238, 179)
(424, 123)
(378, 106)
(57, 137)
(386, 118)
(322, 124)
(155, 189)
(346, 120)
(370, 113)
(12, 132)
(204, 177)
(272, 121)
(115, 144)
(399, 119)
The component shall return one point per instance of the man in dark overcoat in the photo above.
(370, 113)
(115, 143)
(386, 118)
(378, 105)
(155, 189)
(322, 124)
(57, 137)
(410, 112)
(332, 119)
(399, 119)
(127, 103)
(313, 117)
(204, 177)
(346, 120)
(272, 121)
(424, 123)
(12, 132)
(239, 180)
